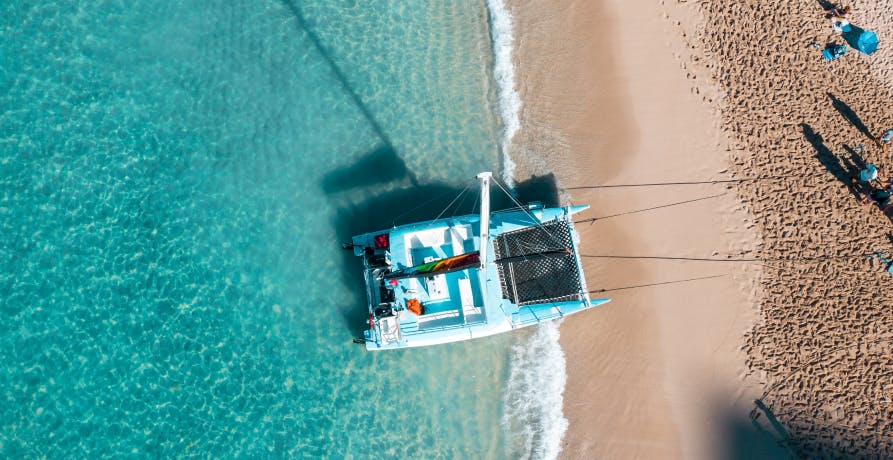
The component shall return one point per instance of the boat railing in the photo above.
(438, 316)
(442, 328)
(528, 207)
(544, 314)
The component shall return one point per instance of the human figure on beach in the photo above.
(860, 182)
(839, 18)
(840, 25)
(868, 174)
(880, 198)
(839, 11)
(885, 201)
(887, 137)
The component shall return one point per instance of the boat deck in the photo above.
(518, 287)
(447, 299)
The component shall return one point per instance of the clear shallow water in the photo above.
(175, 178)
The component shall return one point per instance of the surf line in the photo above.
(502, 40)
(542, 438)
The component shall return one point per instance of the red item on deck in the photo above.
(414, 306)
(382, 241)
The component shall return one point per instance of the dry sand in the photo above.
(624, 92)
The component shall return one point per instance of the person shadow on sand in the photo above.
(842, 169)
(853, 162)
(851, 117)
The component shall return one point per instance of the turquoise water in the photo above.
(175, 180)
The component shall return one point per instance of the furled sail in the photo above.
(439, 267)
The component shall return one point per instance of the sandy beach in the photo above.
(781, 305)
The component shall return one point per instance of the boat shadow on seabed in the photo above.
(382, 166)
(410, 203)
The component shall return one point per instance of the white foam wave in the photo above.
(532, 418)
(504, 73)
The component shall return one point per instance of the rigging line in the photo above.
(426, 202)
(705, 259)
(533, 218)
(658, 284)
(451, 203)
(459, 205)
(814, 278)
(716, 181)
(474, 209)
(514, 200)
(508, 194)
(593, 219)
(506, 210)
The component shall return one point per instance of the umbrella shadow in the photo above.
(851, 37)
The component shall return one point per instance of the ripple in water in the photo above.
(170, 276)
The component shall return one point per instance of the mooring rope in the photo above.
(593, 219)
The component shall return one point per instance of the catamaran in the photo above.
(460, 278)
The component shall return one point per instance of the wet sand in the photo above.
(640, 92)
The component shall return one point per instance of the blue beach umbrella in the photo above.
(863, 40)
(867, 42)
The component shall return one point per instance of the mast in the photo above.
(485, 215)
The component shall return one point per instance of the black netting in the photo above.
(538, 278)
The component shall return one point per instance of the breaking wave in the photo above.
(504, 74)
(532, 418)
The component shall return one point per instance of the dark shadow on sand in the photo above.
(743, 438)
(841, 169)
(855, 161)
(850, 115)
(765, 434)
(851, 37)
(826, 5)
(425, 201)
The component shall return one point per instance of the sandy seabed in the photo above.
(786, 305)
